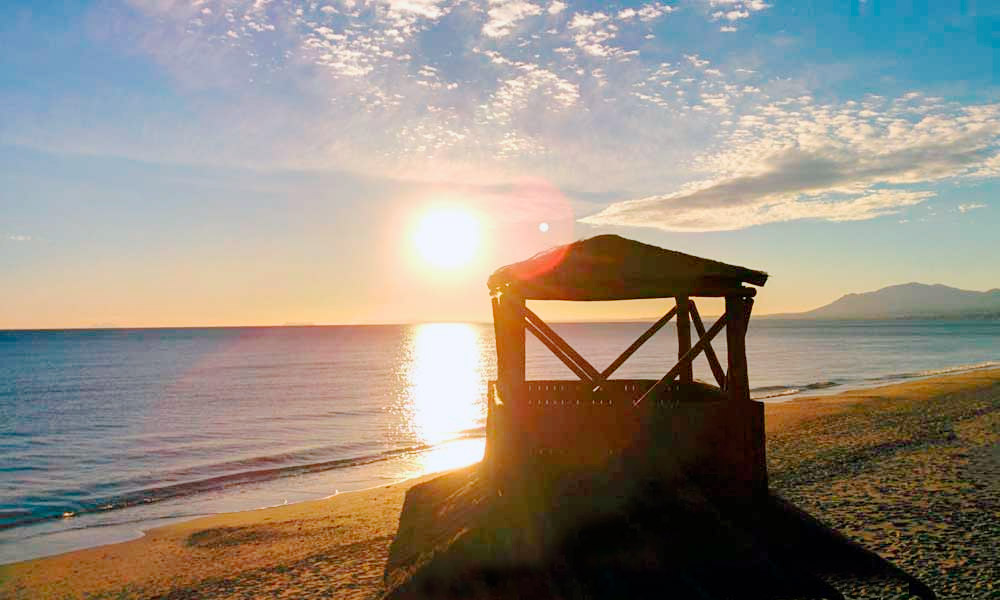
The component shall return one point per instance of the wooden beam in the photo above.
(684, 337)
(508, 326)
(713, 360)
(551, 345)
(748, 303)
(642, 339)
(738, 382)
(532, 318)
(685, 360)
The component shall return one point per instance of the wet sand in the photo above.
(912, 471)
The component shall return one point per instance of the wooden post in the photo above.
(684, 337)
(503, 445)
(746, 418)
(508, 325)
(738, 382)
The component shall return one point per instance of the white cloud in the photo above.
(531, 84)
(429, 9)
(647, 211)
(696, 61)
(17, 237)
(964, 208)
(587, 20)
(796, 160)
(540, 77)
(735, 10)
(647, 12)
(504, 15)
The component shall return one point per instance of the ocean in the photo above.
(106, 433)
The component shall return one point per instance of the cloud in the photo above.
(595, 98)
(735, 10)
(964, 208)
(638, 213)
(428, 9)
(504, 15)
(797, 160)
(645, 13)
(16, 237)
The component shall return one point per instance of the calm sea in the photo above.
(104, 433)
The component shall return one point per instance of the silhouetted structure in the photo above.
(654, 427)
(609, 488)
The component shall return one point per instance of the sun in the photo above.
(447, 238)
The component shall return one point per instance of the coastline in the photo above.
(906, 468)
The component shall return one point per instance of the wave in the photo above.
(10, 518)
(780, 391)
(777, 391)
(932, 372)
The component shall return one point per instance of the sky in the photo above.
(265, 162)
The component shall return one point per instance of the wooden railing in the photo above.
(561, 392)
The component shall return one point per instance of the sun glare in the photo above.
(445, 376)
(447, 238)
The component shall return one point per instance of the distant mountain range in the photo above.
(908, 301)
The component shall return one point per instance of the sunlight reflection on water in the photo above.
(445, 389)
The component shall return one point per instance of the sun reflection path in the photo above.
(445, 387)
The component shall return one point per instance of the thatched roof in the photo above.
(610, 267)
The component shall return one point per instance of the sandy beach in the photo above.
(912, 471)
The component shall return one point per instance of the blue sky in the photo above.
(230, 162)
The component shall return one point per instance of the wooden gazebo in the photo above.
(611, 488)
(666, 427)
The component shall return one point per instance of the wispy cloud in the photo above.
(796, 160)
(594, 99)
(17, 237)
(964, 208)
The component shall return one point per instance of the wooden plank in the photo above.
(555, 349)
(713, 360)
(686, 359)
(684, 337)
(617, 290)
(638, 343)
(530, 317)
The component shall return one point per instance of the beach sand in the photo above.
(911, 471)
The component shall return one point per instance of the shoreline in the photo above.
(54, 536)
(830, 388)
(341, 542)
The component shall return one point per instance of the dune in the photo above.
(909, 471)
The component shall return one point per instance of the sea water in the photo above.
(105, 433)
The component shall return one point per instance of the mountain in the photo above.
(909, 301)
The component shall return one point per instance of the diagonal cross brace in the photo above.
(713, 360)
(637, 344)
(689, 356)
(558, 352)
(563, 351)
(572, 359)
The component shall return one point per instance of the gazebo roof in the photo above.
(610, 267)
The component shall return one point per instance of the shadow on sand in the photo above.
(604, 539)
